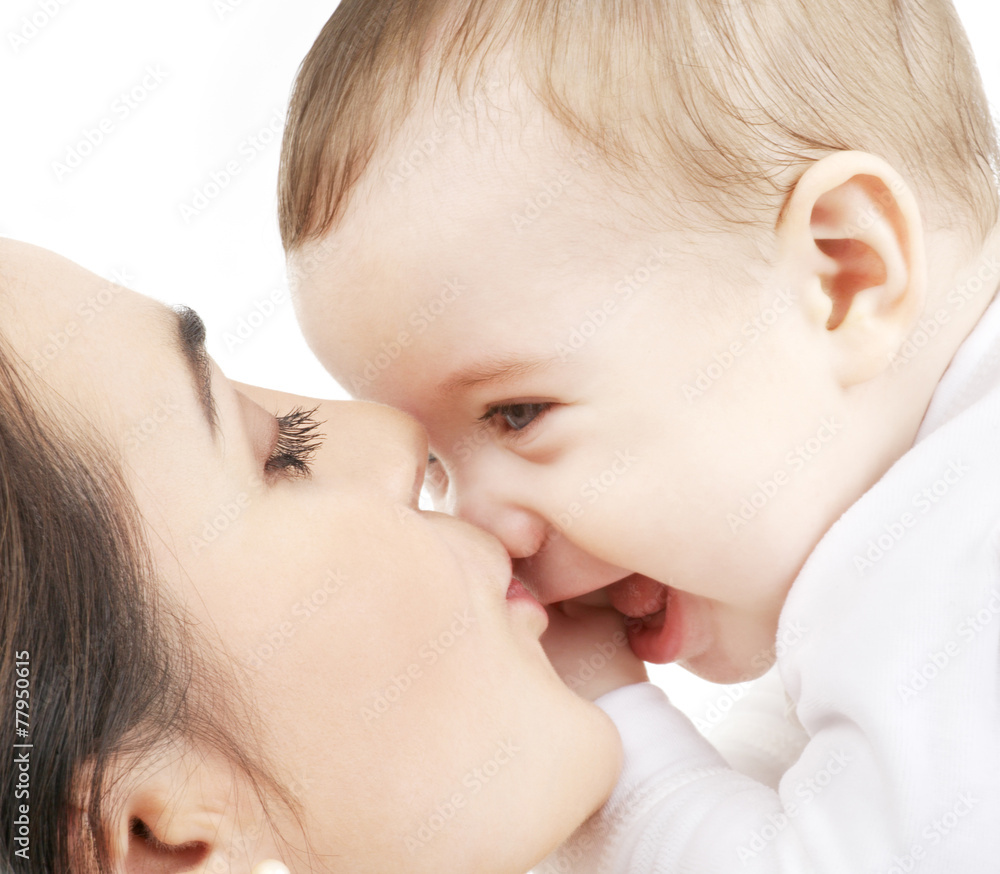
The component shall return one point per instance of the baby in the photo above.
(696, 302)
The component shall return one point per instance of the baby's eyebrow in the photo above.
(495, 371)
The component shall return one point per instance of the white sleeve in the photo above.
(679, 808)
(676, 802)
(752, 724)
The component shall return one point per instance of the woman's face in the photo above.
(405, 698)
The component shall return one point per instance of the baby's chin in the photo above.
(729, 662)
(717, 669)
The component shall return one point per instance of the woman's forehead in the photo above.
(50, 294)
(92, 343)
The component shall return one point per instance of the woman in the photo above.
(241, 639)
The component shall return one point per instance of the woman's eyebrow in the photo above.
(191, 341)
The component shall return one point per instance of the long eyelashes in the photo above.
(297, 443)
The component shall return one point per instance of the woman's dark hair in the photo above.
(110, 671)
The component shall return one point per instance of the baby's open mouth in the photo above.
(638, 597)
(644, 602)
(653, 615)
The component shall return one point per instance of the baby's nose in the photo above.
(483, 494)
(520, 531)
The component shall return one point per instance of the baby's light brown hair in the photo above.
(720, 104)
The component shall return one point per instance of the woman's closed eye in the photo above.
(297, 442)
(515, 417)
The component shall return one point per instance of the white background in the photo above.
(208, 81)
(226, 71)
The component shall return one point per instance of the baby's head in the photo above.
(647, 273)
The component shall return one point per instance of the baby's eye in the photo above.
(516, 417)
(436, 481)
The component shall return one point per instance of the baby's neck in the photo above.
(960, 289)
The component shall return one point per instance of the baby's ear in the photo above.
(854, 225)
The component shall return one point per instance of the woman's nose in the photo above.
(393, 446)
(379, 446)
(410, 440)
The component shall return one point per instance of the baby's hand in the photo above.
(589, 649)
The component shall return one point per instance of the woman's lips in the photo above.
(516, 590)
(518, 594)
(653, 618)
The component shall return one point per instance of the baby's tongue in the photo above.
(644, 601)
(637, 596)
